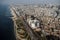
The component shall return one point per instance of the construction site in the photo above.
(36, 22)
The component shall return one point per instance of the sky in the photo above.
(29, 1)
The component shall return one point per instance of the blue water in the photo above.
(6, 24)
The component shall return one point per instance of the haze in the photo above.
(29, 1)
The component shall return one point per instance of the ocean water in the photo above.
(6, 24)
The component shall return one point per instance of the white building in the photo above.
(33, 23)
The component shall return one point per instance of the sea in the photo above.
(6, 24)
